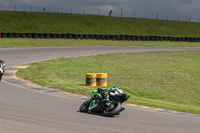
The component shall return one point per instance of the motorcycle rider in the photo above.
(103, 93)
(2, 68)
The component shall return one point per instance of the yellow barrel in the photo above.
(91, 79)
(101, 79)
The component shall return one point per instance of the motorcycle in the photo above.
(2, 68)
(109, 107)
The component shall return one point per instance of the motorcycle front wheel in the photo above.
(114, 111)
(84, 106)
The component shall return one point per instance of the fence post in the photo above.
(189, 19)
(121, 12)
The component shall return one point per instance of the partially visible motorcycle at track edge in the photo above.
(2, 68)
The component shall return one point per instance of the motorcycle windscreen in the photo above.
(122, 98)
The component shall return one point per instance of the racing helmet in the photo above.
(117, 88)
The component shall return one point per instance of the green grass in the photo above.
(39, 22)
(18, 42)
(168, 80)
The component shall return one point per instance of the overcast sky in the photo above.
(141, 8)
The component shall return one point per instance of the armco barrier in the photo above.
(97, 37)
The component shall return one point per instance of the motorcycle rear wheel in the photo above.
(115, 111)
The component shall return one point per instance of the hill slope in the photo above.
(39, 22)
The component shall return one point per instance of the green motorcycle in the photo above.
(105, 100)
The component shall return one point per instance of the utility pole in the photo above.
(15, 7)
(58, 10)
(71, 10)
(157, 17)
(99, 12)
(31, 8)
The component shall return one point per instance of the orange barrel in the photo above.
(101, 79)
(91, 79)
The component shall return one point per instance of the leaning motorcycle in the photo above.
(2, 69)
(109, 108)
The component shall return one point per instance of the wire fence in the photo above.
(99, 12)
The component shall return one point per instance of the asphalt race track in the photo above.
(26, 111)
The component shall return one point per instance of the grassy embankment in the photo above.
(37, 22)
(168, 80)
